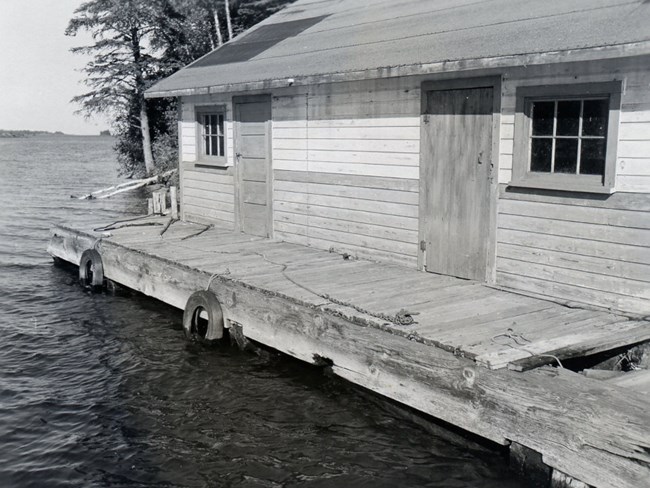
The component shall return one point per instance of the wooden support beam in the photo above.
(163, 200)
(156, 202)
(150, 206)
(528, 464)
(561, 480)
(173, 201)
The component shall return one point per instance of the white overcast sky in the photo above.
(38, 73)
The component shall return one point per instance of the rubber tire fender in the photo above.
(203, 300)
(91, 269)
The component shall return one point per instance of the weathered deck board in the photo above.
(593, 431)
(638, 381)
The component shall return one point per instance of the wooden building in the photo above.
(506, 142)
(502, 141)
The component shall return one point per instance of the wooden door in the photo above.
(456, 202)
(253, 160)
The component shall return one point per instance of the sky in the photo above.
(38, 73)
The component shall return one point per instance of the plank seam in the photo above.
(347, 244)
(569, 253)
(568, 284)
(573, 269)
(343, 208)
(592, 239)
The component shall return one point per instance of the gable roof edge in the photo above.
(462, 65)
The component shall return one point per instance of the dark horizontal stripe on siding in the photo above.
(379, 182)
(618, 201)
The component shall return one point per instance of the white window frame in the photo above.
(526, 95)
(201, 154)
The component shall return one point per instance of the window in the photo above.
(211, 140)
(565, 137)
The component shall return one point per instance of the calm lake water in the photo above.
(100, 390)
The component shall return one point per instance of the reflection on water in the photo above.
(99, 390)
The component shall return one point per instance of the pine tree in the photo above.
(136, 43)
(122, 65)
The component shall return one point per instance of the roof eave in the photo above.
(571, 55)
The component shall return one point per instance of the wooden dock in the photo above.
(473, 356)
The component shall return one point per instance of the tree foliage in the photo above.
(136, 43)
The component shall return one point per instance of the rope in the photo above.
(520, 341)
(403, 317)
(167, 226)
(112, 225)
(197, 233)
(215, 275)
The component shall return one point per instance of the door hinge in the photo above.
(423, 246)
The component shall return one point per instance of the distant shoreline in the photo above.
(9, 134)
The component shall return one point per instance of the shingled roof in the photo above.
(322, 40)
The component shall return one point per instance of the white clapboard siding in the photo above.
(360, 252)
(209, 216)
(292, 144)
(375, 147)
(345, 226)
(346, 167)
(228, 207)
(207, 193)
(365, 157)
(365, 169)
(372, 194)
(633, 164)
(599, 254)
(556, 288)
(387, 208)
(633, 183)
(209, 175)
(367, 216)
(359, 240)
(188, 140)
(631, 116)
(361, 216)
(290, 164)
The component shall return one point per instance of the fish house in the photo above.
(488, 162)
(501, 141)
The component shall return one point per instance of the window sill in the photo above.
(562, 184)
(214, 165)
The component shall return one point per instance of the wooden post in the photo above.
(156, 203)
(528, 464)
(163, 201)
(561, 480)
(149, 206)
(173, 202)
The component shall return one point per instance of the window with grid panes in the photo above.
(566, 141)
(211, 140)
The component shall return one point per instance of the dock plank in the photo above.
(638, 381)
